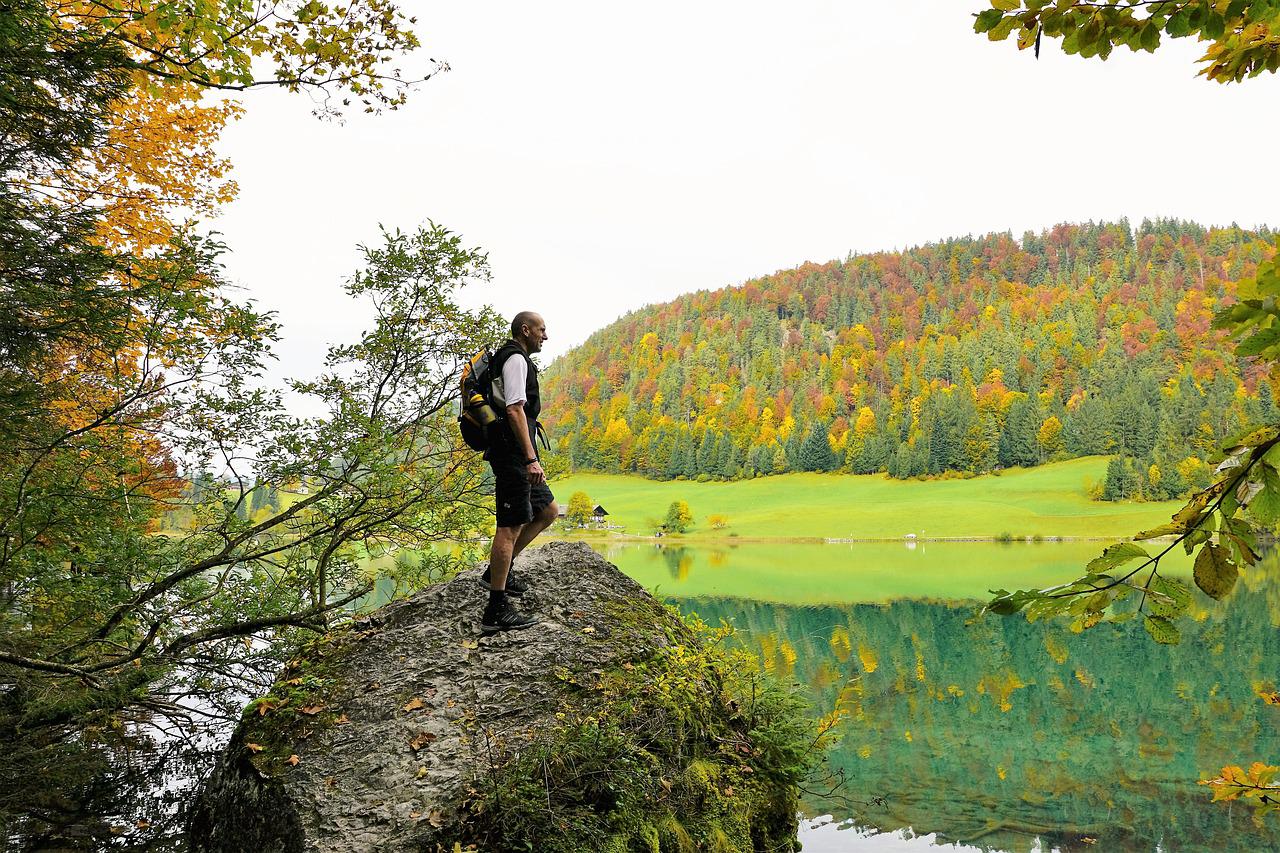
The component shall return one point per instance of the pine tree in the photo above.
(815, 452)
(1018, 441)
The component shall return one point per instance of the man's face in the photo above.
(535, 333)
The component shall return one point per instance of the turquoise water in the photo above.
(995, 733)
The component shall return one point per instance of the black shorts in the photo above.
(517, 500)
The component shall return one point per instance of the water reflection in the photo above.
(1000, 734)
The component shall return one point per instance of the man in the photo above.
(525, 506)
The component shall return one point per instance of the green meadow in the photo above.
(1047, 501)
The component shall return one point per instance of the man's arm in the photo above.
(520, 429)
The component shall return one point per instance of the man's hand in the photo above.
(535, 473)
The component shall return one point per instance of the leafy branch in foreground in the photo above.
(1256, 785)
(1243, 35)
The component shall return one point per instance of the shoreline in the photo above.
(684, 539)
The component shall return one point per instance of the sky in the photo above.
(610, 156)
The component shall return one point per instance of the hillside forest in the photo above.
(959, 357)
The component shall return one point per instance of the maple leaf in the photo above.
(312, 710)
(414, 704)
(293, 760)
(435, 818)
(421, 740)
(254, 747)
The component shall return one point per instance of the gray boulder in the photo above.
(404, 731)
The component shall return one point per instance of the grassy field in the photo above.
(1048, 501)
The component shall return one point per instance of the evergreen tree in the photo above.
(815, 452)
(1018, 441)
(1121, 482)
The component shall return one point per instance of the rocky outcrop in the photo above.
(609, 725)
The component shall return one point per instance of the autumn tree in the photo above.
(580, 509)
(679, 518)
(125, 363)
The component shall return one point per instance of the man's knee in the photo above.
(549, 513)
(506, 536)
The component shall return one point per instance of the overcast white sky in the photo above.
(608, 156)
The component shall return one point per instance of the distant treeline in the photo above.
(967, 355)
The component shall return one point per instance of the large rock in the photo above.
(404, 731)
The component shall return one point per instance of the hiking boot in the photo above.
(504, 617)
(515, 586)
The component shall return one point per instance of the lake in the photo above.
(990, 734)
(995, 734)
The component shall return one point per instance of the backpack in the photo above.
(475, 411)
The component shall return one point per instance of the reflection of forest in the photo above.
(1000, 730)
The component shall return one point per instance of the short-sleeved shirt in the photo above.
(515, 374)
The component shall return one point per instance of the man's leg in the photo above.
(498, 614)
(502, 553)
(541, 521)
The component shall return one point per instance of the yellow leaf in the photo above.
(414, 704)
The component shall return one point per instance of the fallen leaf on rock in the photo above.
(143, 824)
(293, 760)
(414, 704)
(415, 815)
(588, 630)
(422, 771)
(331, 781)
(470, 644)
(312, 710)
(343, 718)
(435, 818)
(253, 747)
(421, 740)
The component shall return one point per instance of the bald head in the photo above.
(529, 330)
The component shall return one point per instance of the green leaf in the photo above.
(1007, 5)
(1214, 25)
(1162, 630)
(1214, 571)
(1176, 595)
(987, 20)
(1259, 342)
(1008, 603)
(1002, 30)
(1118, 555)
(1179, 24)
(1150, 38)
(1265, 506)
(1162, 530)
